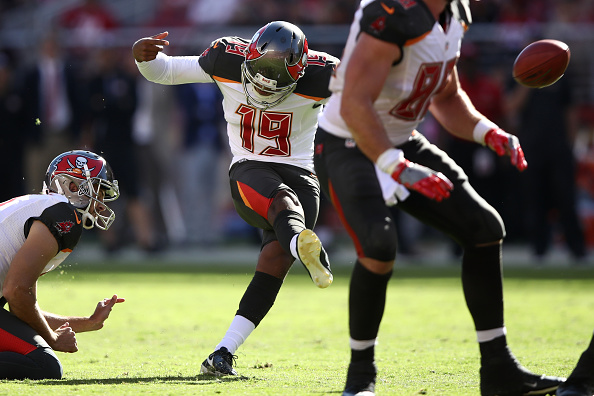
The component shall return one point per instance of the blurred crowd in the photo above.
(75, 86)
(190, 12)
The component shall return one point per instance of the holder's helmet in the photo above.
(275, 59)
(86, 179)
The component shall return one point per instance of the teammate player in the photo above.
(581, 380)
(38, 232)
(400, 61)
(274, 87)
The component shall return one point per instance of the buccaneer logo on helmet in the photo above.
(79, 165)
(87, 181)
(74, 165)
(275, 59)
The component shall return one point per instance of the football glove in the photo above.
(504, 143)
(433, 185)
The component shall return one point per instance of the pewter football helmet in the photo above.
(275, 59)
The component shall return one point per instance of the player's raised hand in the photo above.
(433, 185)
(504, 143)
(102, 311)
(147, 48)
(65, 339)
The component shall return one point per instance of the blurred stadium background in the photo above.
(152, 135)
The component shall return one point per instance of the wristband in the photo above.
(480, 130)
(389, 159)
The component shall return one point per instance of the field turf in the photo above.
(154, 343)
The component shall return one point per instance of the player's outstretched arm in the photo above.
(146, 49)
(86, 323)
(456, 113)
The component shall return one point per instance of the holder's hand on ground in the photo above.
(504, 143)
(147, 49)
(433, 185)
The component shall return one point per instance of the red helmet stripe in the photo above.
(297, 70)
(251, 51)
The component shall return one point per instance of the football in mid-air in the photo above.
(541, 63)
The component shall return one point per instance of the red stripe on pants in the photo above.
(253, 200)
(344, 222)
(12, 343)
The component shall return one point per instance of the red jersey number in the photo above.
(426, 84)
(271, 126)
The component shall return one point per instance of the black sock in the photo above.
(483, 286)
(287, 224)
(367, 298)
(367, 354)
(259, 297)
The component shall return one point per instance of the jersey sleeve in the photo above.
(173, 70)
(63, 221)
(208, 59)
(393, 22)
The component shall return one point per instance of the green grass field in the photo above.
(174, 315)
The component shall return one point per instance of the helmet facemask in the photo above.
(97, 213)
(261, 92)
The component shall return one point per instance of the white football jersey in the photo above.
(283, 133)
(16, 217)
(429, 54)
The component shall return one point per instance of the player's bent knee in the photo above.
(381, 244)
(51, 368)
(490, 229)
(284, 200)
(55, 371)
(288, 196)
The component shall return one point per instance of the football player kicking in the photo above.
(38, 232)
(274, 87)
(581, 380)
(400, 61)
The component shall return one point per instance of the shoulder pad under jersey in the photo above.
(63, 221)
(224, 57)
(396, 21)
(320, 67)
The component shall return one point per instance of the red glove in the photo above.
(504, 143)
(433, 185)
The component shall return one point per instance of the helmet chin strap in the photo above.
(88, 220)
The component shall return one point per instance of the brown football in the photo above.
(541, 63)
